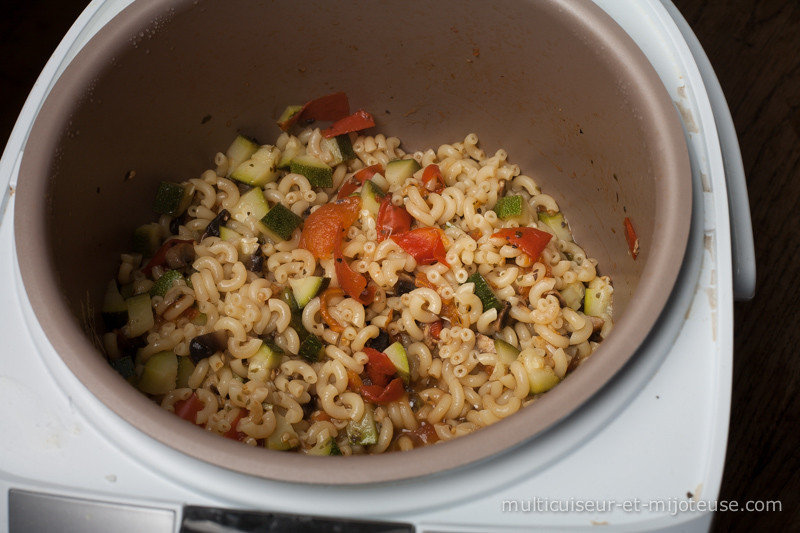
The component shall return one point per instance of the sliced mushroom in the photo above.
(255, 263)
(501, 321)
(597, 325)
(557, 294)
(180, 255)
(381, 342)
(212, 230)
(485, 344)
(405, 284)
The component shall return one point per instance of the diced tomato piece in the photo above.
(630, 236)
(233, 433)
(358, 179)
(330, 107)
(367, 172)
(436, 329)
(392, 219)
(425, 244)
(383, 395)
(323, 228)
(360, 120)
(379, 367)
(348, 188)
(353, 283)
(532, 241)
(432, 178)
(188, 408)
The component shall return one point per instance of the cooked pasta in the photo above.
(474, 325)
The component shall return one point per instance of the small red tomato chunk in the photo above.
(424, 244)
(392, 219)
(532, 241)
(360, 120)
(630, 236)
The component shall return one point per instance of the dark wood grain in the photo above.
(755, 49)
(754, 46)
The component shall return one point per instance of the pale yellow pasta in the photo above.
(456, 380)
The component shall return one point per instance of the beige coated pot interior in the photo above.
(163, 87)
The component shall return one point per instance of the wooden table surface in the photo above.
(754, 46)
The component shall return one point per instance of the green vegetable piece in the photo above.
(140, 315)
(239, 151)
(185, 371)
(115, 311)
(251, 206)
(397, 355)
(267, 357)
(371, 196)
(284, 437)
(160, 373)
(165, 282)
(172, 199)
(364, 432)
(399, 170)
(318, 173)
(506, 352)
(147, 239)
(310, 349)
(557, 223)
(597, 301)
(325, 447)
(288, 113)
(292, 149)
(341, 148)
(124, 365)
(484, 292)
(279, 223)
(306, 289)
(513, 208)
(260, 169)
(573, 294)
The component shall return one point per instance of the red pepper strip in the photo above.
(353, 283)
(327, 294)
(358, 179)
(330, 107)
(383, 395)
(188, 408)
(392, 219)
(530, 240)
(380, 368)
(366, 173)
(160, 257)
(354, 382)
(436, 329)
(633, 240)
(360, 120)
(432, 178)
(233, 433)
(348, 188)
(425, 244)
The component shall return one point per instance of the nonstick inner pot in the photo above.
(167, 84)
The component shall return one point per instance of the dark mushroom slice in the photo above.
(212, 230)
(381, 342)
(405, 284)
(177, 222)
(180, 255)
(243, 187)
(502, 319)
(597, 325)
(255, 263)
(204, 346)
